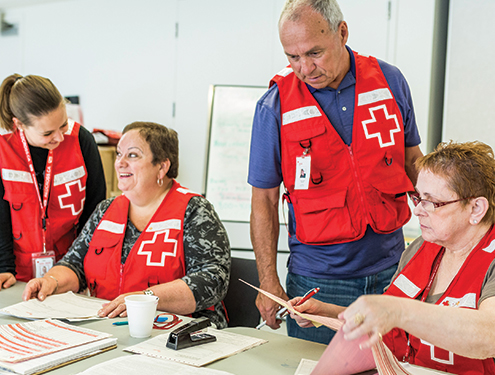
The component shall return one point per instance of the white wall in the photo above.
(470, 80)
(123, 59)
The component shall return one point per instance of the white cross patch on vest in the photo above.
(164, 251)
(385, 131)
(72, 185)
(449, 361)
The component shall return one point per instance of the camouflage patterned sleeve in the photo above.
(207, 254)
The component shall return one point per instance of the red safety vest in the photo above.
(157, 256)
(65, 204)
(464, 291)
(350, 186)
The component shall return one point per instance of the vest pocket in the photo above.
(324, 220)
(389, 209)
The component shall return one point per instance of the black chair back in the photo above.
(240, 299)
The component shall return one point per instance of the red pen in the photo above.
(308, 295)
(283, 312)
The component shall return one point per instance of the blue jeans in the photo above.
(339, 292)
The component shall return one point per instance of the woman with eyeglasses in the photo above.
(439, 310)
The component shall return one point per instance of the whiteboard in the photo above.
(230, 121)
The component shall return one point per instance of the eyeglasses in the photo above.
(430, 206)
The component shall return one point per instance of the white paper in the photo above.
(140, 364)
(22, 341)
(49, 361)
(226, 345)
(67, 306)
(305, 367)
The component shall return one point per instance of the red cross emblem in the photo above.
(381, 126)
(77, 188)
(164, 250)
(439, 355)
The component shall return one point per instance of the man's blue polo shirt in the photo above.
(372, 253)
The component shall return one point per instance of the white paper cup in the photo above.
(141, 310)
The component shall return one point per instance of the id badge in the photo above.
(303, 172)
(42, 262)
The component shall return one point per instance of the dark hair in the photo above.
(27, 97)
(468, 168)
(163, 142)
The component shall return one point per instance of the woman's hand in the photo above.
(6, 280)
(40, 288)
(372, 315)
(116, 307)
(311, 306)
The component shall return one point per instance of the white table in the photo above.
(281, 355)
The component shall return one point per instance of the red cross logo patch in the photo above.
(381, 126)
(439, 355)
(165, 250)
(76, 187)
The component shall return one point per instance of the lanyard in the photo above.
(436, 265)
(46, 186)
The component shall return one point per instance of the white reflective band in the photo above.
(70, 123)
(72, 175)
(17, 176)
(490, 248)
(407, 286)
(111, 227)
(285, 72)
(185, 191)
(162, 225)
(374, 96)
(300, 114)
(469, 300)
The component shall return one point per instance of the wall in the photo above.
(154, 60)
(470, 82)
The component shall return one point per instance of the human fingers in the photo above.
(6, 280)
(268, 310)
(113, 308)
(368, 315)
(31, 289)
(374, 338)
(302, 322)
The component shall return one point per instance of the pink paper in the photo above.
(342, 357)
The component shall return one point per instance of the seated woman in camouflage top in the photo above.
(156, 238)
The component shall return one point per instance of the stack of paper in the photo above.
(32, 347)
(67, 306)
(227, 344)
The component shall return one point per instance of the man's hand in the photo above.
(6, 280)
(268, 308)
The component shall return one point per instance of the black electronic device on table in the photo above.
(190, 335)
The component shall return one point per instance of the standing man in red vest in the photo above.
(338, 129)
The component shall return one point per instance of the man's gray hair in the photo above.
(329, 9)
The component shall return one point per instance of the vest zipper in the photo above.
(358, 183)
(121, 278)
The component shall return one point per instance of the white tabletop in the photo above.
(281, 355)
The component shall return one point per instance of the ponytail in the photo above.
(26, 97)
